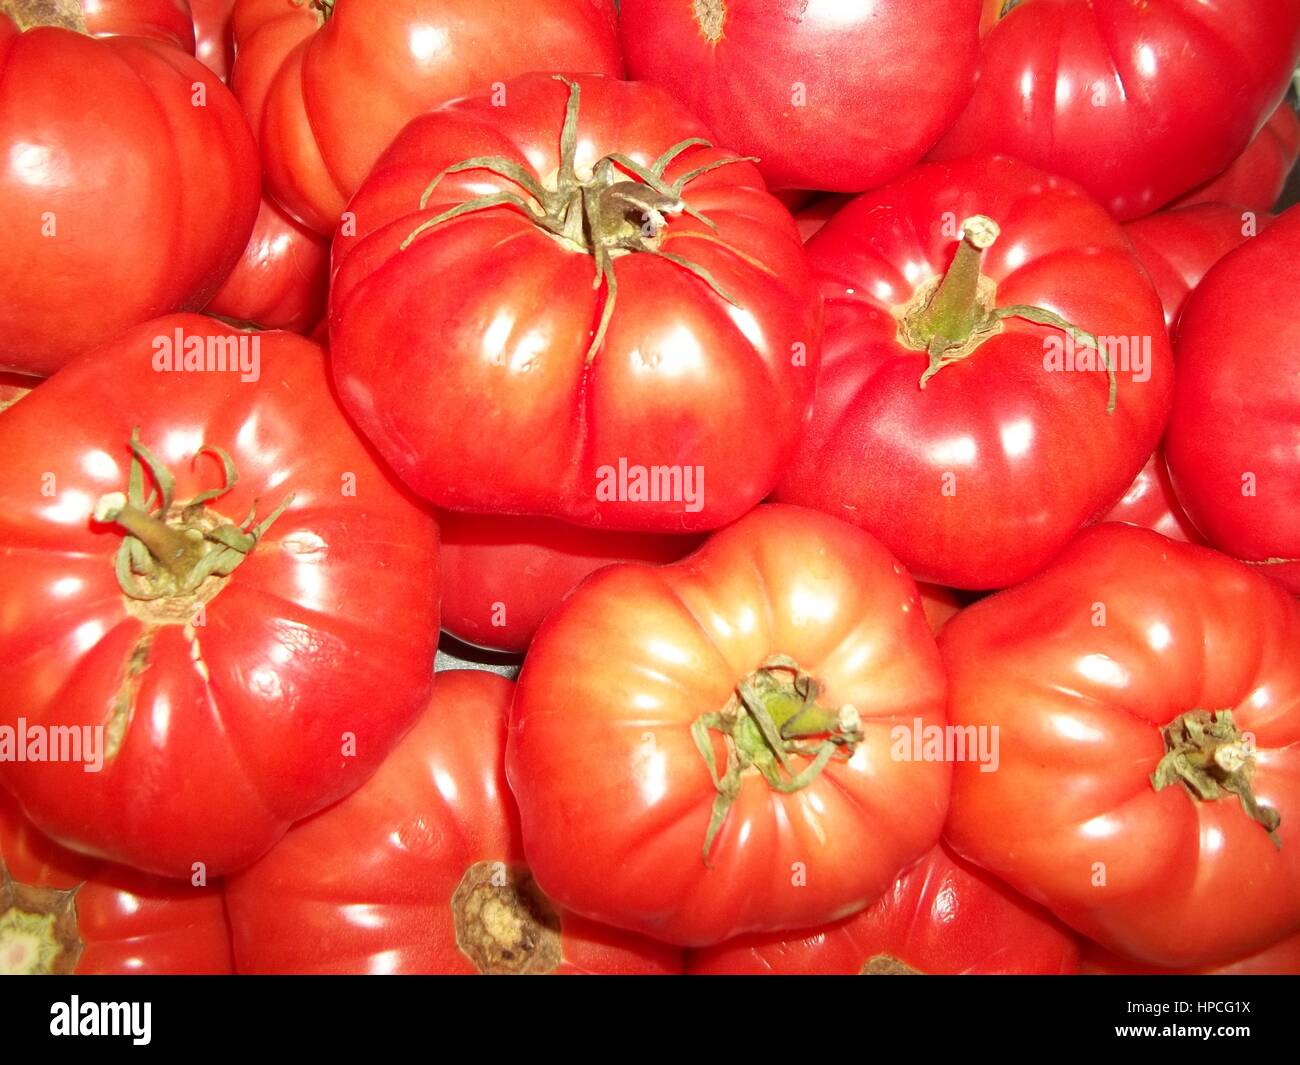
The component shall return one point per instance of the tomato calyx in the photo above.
(504, 924)
(30, 14)
(887, 965)
(772, 716)
(177, 551)
(38, 929)
(605, 215)
(1209, 756)
(950, 316)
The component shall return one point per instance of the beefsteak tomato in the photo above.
(1146, 696)
(964, 412)
(114, 212)
(1137, 102)
(625, 309)
(1257, 178)
(1281, 959)
(327, 84)
(942, 917)
(420, 870)
(211, 587)
(1151, 503)
(718, 746)
(65, 913)
(828, 95)
(1234, 436)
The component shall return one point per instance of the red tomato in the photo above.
(813, 218)
(1179, 246)
(977, 476)
(214, 43)
(421, 870)
(1146, 696)
(1137, 102)
(13, 386)
(1234, 437)
(118, 210)
(327, 84)
(942, 917)
(61, 912)
(1281, 959)
(610, 369)
(241, 681)
(501, 576)
(711, 747)
(282, 278)
(1258, 176)
(941, 605)
(828, 95)
(1152, 504)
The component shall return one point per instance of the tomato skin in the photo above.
(214, 45)
(1161, 85)
(614, 796)
(1257, 178)
(398, 847)
(943, 917)
(281, 280)
(980, 478)
(878, 84)
(13, 386)
(326, 95)
(166, 21)
(1079, 698)
(113, 215)
(1280, 959)
(1151, 503)
(334, 610)
(502, 575)
(129, 923)
(683, 379)
(1233, 442)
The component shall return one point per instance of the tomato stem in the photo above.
(38, 928)
(954, 312)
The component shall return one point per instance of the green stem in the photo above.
(172, 549)
(954, 312)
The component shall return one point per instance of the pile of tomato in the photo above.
(871, 429)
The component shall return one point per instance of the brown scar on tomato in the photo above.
(887, 965)
(28, 14)
(123, 705)
(38, 928)
(504, 924)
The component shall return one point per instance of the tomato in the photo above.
(1179, 246)
(13, 386)
(1151, 503)
(1137, 102)
(940, 605)
(1281, 959)
(845, 96)
(327, 84)
(1146, 696)
(224, 691)
(710, 747)
(813, 218)
(61, 912)
(976, 458)
(1256, 179)
(428, 852)
(114, 212)
(1234, 436)
(501, 576)
(942, 917)
(214, 44)
(607, 371)
(282, 278)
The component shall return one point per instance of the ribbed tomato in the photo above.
(1257, 178)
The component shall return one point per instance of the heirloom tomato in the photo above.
(1280, 959)
(62, 912)
(420, 870)
(1146, 699)
(129, 190)
(1256, 179)
(626, 310)
(1151, 503)
(1234, 436)
(964, 411)
(828, 95)
(1138, 102)
(214, 43)
(327, 84)
(942, 917)
(732, 743)
(209, 590)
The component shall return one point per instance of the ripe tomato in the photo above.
(421, 870)
(942, 917)
(1151, 503)
(1234, 437)
(1147, 698)
(13, 386)
(281, 280)
(501, 576)
(1256, 179)
(239, 680)
(1280, 959)
(122, 209)
(977, 476)
(812, 219)
(1137, 102)
(327, 84)
(827, 95)
(618, 347)
(712, 747)
(941, 605)
(62, 912)
(214, 43)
